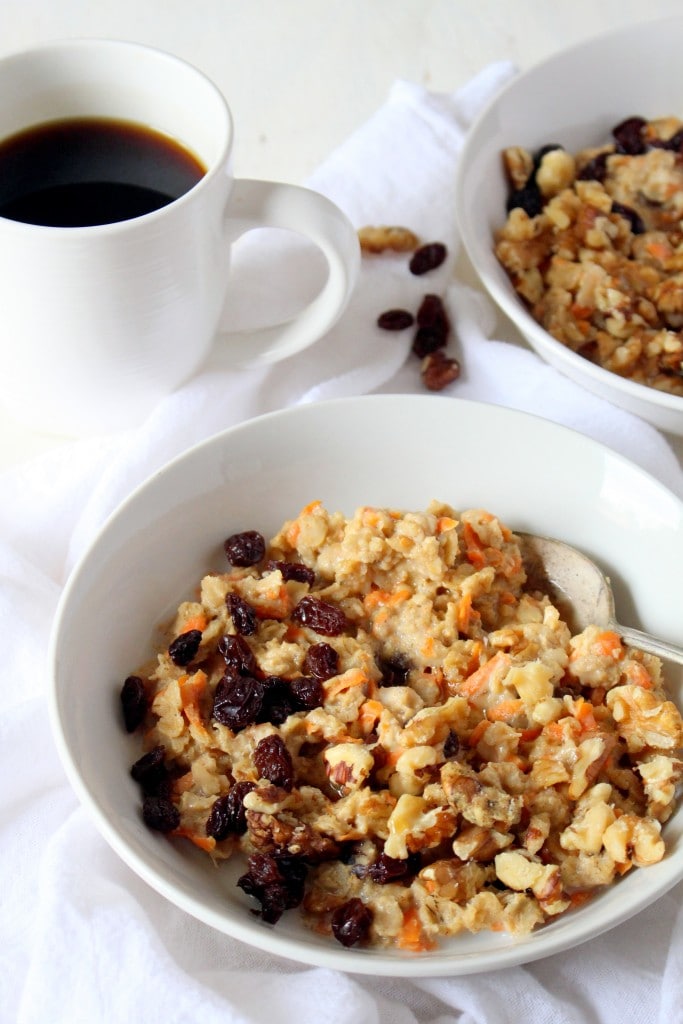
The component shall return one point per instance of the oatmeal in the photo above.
(593, 244)
(397, 736)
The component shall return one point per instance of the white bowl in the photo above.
(384, 450)
(574, 98)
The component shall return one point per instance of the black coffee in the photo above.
(81, 172)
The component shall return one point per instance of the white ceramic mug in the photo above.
(99, 322)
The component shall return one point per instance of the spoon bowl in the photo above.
(582, 592)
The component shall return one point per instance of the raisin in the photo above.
(387, 869)
(451, 745)
(628, 136)
(133, 702)
(273, 761)
(427, 257)
(629, 214)
(246, 548)
(528, 197)
(276, 882)
(351, 922)
(243, 615)
(433, 326)
(160, 814)
(151, 773)
(237, 701)
(292, 571)
(184, 648)
(395, 320)
(307, 692)
(238, 655)
(227, 816)
(438, 370)
(321, 616)
(321, 661)
(595, 169)
(278, 701)
(675, 142)
(394, 670)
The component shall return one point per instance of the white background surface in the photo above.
(301, 75)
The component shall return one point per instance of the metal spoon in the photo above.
(582, 592)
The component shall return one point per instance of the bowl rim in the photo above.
(504, 296)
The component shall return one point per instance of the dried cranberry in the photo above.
(276, 882)
(237, 701)
(395, 320)
(321, 661)
(629, 214)
(291, 571)
(528, 197)
(273, 761)
(628, 135)
(238, 655)
(160, 814)
(387, 869)
(243, 615)
(278, 700)
(307, 692)
(227, 816)
(394, 669)
(595, 169)
(451, 745)
(133, 702)
(321, 616)
(427, 257)
(246, 548)
(151, 773)
(351, 922)
(184, 648)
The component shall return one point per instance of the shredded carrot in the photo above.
(582, 711)
(377, 598)
(293, 632)
(554, 731)
(463, 614)
(478, 731)
(191, 690)
(474, 552)
(659, 250)
(529, 735)
(310, 507)
(337, 684)
(608, 644)
(184, 783)
(444, 524)
(411, 936)
(581, 896)
(369, 714)
(195, 622)
(638, 675)
(479, 680)
(277, 604)
(206, 843)
(427, 649)
(505, 710)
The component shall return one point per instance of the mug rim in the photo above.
(219, 165)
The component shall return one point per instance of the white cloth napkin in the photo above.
(81, 937)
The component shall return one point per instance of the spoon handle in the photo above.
(662, 648)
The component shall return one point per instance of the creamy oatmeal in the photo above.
(593, 244)
(396, 736)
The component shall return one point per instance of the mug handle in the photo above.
(257, 204)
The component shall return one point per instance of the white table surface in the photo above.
(301, 75)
